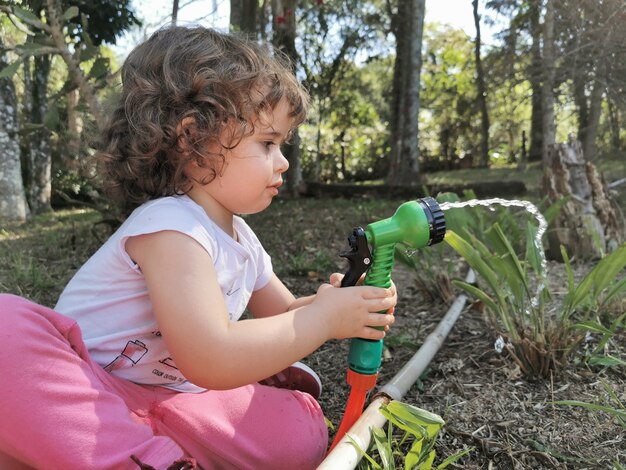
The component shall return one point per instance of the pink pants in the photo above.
(60, 410)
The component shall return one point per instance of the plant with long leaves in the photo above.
(516, 293)
(419, 431)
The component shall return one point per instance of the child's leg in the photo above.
(250, 427)
(58, 409)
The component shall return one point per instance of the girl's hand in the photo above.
(335, 281)
(353, 311)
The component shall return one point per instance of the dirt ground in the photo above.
(510, 422)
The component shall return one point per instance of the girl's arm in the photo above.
(275, 298)
(215, 353)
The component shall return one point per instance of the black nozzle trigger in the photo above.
(359, 257)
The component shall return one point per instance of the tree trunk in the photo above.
(39, 156)
(536, 124)
(74, 124)
(284, 39)
(243, 16)
(591, 222)
(317, 168)
(13, 204)
(408, 28)
(523, 159)
(547, 88)
(482, 93)
(593, 123)
(174, 12)
(614, 125)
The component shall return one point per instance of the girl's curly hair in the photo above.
(198, 75)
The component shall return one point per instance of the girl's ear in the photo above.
(185, 134)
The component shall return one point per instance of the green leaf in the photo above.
(25, 15)
(384, 448)
(608, 268)
(592, 326)
(363, 453)
(70, 13)
(598, 279)
(533, 256)
(510, 281)
(88, 53)
(478, 293)
(453, 458)
(31, 48)
(615, 324)
(100, 68)
(608, 361)
(428, 462)
(591, 406)
(474, 259)
(516, 275)
(412, 457)
(10, 69)
(568, 268)
(417, 422)
(614, 291)
(612, 394)
(410, 412)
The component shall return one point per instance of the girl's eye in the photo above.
(268, 144)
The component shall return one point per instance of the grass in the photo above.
(531, 177)
(611, 165)
(39, 257)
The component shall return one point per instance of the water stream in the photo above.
(541, 230)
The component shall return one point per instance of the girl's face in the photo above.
(252, 171)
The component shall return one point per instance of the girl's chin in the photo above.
(259, 207)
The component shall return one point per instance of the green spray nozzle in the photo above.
(416, 224)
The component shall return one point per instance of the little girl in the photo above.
(143, 362)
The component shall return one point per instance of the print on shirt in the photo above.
(131, 355)
(169, 362)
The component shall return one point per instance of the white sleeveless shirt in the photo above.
(108, 296)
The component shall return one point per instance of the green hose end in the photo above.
(365, 355)
(415, 223)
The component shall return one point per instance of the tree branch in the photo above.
(75, 73)
(32, 22)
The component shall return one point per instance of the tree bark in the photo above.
(614, 124)
(74, 124)
(547, 88)
(589, 142)
(536, 125)
(39, 155)
(482, 93)
(408, 28)
(243, 16)
(284, 39)
(590, 223)
(174, 12)
(13, 204)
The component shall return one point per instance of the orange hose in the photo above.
(360, 385)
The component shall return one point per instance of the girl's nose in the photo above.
(281, 164)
